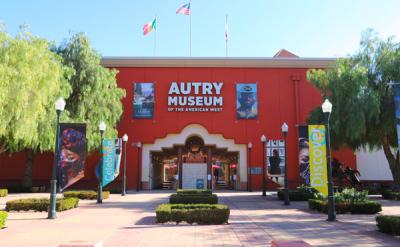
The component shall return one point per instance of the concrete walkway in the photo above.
(129, 221)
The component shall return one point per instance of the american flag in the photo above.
(185, 9)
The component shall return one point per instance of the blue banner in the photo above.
(108, 166)
(397, 105)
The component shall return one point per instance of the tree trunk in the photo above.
(394, 162)
(27, 180)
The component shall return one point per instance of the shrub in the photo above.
(85, 194)
(3, 218)
(388, 224)
(193, 213)
(391, 195)
(195, 192)
(362, 207)
(41, 204)
(193, 198)
(3, 192)
(302, 193)
(351, 195)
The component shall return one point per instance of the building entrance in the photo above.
(194, 165)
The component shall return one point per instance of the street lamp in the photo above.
(327, 109)
(285, 129)
(124, 139)
(264, 182)
(249, 146)
(138, 145)
(102, 128)
(60, 105)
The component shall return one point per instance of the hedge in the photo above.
(388, 224)
(365, 207)
(193, 213)
(3, 218)
(41, 204)
(3, 192)
(391, 195)
(295, 195)
(85, 194)
(195, 192)
(193, 198)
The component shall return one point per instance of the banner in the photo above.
(72, 153)
(112, 149)
(318, 169)
(396, 89)
(143, 100)
(246, 101)
(304, 157)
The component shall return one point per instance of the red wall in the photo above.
(277, 103)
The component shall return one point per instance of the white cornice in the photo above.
(217, 62)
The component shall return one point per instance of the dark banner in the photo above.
(397, 105)
(72, 150)
(143, 100)
(246, 101)
(304, 157)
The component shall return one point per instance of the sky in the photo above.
(256, 28)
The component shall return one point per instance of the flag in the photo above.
(148, 27)
(184, 9)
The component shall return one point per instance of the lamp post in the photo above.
(60, 104)
(138, 145)
(124, 139)
(249, 146)
(102, 128)
(264, 182)
(285, 129)
(327, 109)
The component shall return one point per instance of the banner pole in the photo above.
(155, 39)
(226, 35)
(190, 32)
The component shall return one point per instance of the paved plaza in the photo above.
(130, 221)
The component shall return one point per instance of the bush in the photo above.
(3, 218)
(351, 195)
(193, 213)
(41, 204)
(364, 207)
(3, 192)
(193, 198)
(302, 193)
(388, 224)
(85, 194)
(391, 195)
(194, 192)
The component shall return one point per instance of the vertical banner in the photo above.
(118, 155)
(72, 151)
(109, 156)
(143, 100)
(246, 101)
(304, 157)
(397, 109)
(318, 169)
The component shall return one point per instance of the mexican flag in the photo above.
(148, 27)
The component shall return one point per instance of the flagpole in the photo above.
(155, 38)
(226, 35)
(190, 31)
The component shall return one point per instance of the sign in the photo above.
(304, 157)
(199, 183)
(72, 153)
(109, 149)
(246, 101)
(318, 169)
(195, 97)
(143, 100)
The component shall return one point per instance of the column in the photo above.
(180, 167)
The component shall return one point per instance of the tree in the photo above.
(31, 79)
(360, 89)
(95, 96)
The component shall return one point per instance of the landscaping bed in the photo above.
(302, 193)
(85, 194)
(388, 224)
(391, 195)
(3, 192)
(193, 213)
(193, 196)
(41, 204)
(3, 218)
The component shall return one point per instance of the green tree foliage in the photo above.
(360, 89)
(95, 96)
(31, 79)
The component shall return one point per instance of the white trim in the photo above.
(179, 139)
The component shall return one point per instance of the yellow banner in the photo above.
(318, 169)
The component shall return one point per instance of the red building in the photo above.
(195, 118)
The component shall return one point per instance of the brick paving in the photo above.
(130, 221)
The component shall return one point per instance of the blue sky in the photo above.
(257, 28)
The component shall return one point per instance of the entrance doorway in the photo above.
(194, 166)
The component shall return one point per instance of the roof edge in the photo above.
(253, 62)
